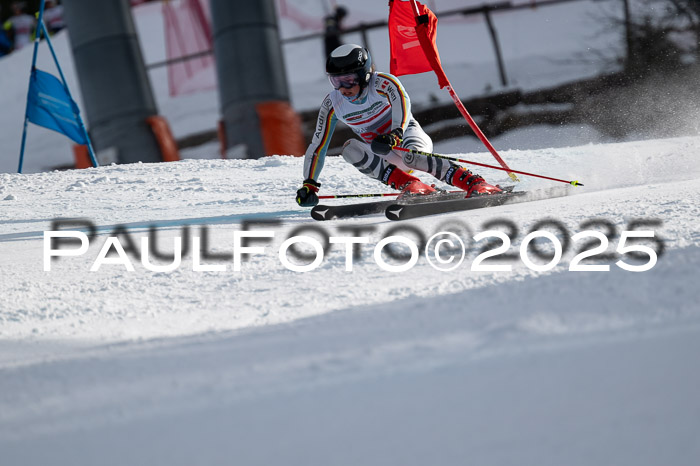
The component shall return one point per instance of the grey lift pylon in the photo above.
(114, 84)
(250, 70)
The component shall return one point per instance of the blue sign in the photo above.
(50, 106)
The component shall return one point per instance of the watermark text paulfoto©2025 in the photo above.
(636, 248)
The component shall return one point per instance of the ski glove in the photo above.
(306, 196)
(383, 143)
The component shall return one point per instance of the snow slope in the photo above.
(266, 365)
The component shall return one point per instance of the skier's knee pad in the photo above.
(353, 151)
(413, 161)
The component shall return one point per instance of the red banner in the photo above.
(413, 48)
(188, 32)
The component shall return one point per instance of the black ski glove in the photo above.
(306, 196)
(383, 143)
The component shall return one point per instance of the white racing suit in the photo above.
(382, 106)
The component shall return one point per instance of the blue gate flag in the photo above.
(50, 106)
(49, 103)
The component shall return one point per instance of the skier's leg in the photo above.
(415, 138)
(367, 162)
(443, 170)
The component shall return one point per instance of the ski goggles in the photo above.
(343, 80)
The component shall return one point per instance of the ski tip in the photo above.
(576, 183)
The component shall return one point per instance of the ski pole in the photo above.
(346, 196)
(455, 159)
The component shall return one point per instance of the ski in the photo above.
(399, 211)
(332, 212)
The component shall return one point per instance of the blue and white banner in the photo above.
(50, 106)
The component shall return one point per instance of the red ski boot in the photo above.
(399, 179)
(471, 183)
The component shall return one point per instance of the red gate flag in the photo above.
(412, 38)
(412, 32)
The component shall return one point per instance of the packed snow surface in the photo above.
(267, 366)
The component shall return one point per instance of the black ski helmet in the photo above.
(350, 58)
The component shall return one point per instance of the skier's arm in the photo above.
(316, 152)
(390, 87)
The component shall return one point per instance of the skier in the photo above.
(376, 107)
